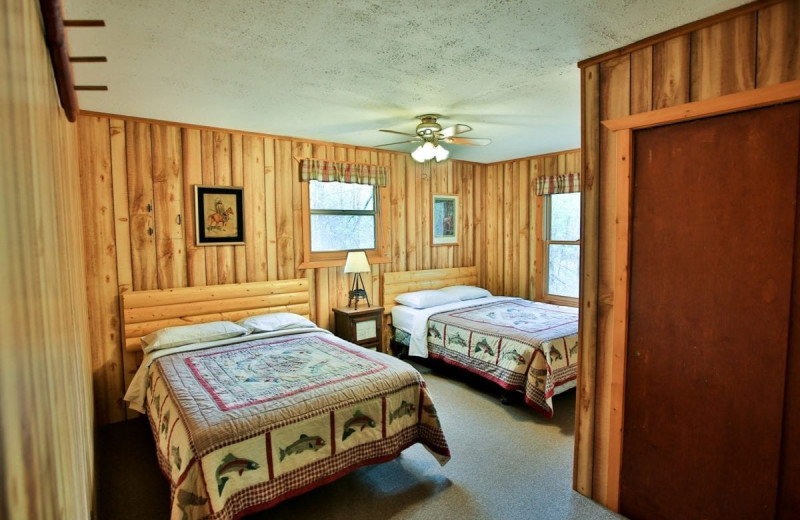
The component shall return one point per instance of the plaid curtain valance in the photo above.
(328, 171)
(567, 183)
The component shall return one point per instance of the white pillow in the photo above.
(275, 321)
(466, 292)
(183, 335)
(425, 299)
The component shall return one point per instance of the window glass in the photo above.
(562, 245)
(342, 232)
(563, 273)
(341, 196)
(343, 216)
(565, 216)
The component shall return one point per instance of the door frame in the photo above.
(604, 472)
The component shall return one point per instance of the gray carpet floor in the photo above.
(508, 462)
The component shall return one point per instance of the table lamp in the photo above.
(357, 263)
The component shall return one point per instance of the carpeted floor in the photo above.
(507, 463)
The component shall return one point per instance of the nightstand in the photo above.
(364, 326)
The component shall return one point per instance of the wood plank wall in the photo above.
(137, 177)
(510, 264)
(47, 462)
(749, 47)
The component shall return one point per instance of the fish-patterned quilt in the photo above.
(241, 427)
(518, 344)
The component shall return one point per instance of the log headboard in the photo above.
(406, 281)
(146, 311)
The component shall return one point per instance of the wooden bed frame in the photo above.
(407, 281)
(144, 312)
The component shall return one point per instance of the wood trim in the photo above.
(755, 98)
(405, 281)
(587, 326)
(679, 31)
(619, 332)
(143, 312)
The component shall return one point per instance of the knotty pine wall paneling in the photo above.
(145, 234)
(47, 462)
(752, 46)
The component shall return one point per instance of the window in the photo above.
(562, 247)
(343, 216)
(340, 217)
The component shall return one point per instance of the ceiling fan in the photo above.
(431, 134)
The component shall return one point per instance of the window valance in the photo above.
(357, 173)
(567, 183)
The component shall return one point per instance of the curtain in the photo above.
(327, 171)
(567, 183)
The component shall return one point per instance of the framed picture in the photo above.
(219, 215)
(445, 220)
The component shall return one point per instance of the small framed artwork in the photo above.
(445, 220)
(219, 215)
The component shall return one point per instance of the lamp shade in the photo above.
(356, 262)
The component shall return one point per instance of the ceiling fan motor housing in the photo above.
(428, 127)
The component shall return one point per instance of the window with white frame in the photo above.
(562, 247)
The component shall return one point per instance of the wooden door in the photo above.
(713, 226)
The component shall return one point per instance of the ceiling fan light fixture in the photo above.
(418, 155)
(440, 153)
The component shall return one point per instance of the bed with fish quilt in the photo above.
(518, 344)
(244, 425)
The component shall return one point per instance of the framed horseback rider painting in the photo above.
(219, 215)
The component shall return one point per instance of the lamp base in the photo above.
(357, 292)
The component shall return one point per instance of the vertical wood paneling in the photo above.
(122, 234)
(97, 204)
(723, 58)
(509, 251)
(284, 212)
(642, 80)
(140, 194)
(778, 44)
(271, 218)
(255, 195)
(226, 267)
(192, 176)
(47, 462)
(587, 343)
(671, 72)
(614, 102)
(168, 199)
(237, 179)
(412, 179)
(536, 245)
(207, 166)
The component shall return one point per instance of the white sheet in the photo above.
(416, 322)
(136, 392)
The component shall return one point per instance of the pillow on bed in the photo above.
(466, 292)
(425, 299)
(275, 321)
(183, 335)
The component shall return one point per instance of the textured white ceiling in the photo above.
(340, 70)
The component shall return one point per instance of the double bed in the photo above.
(518, 344)
(250, 403)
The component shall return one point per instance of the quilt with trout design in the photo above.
(241, 427)
(518, 344)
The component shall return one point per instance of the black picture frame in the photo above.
(219, 215)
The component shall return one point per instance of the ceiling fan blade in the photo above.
(401, 133)
(473, 141)
(455, 129)
(399, 142)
